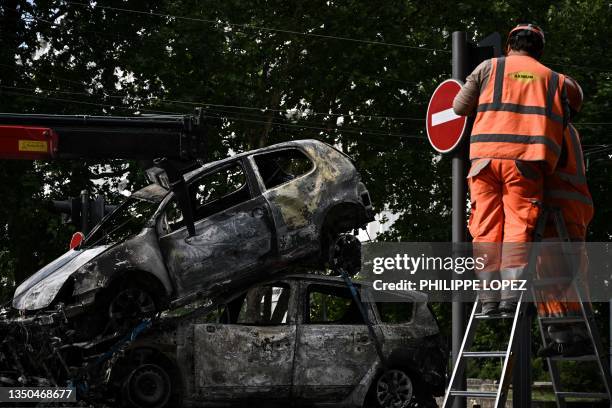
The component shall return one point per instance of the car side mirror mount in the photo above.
(174, 172)
(76, 240)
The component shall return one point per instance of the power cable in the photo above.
(122, 36)
(564, 64)
(89, 103)
(206, 104)
(326, 129)
(262, 28)
(249, 26)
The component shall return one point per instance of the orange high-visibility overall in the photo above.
(516, 139)
(567, 189)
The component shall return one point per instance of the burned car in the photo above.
(241, 219)
(298, 339)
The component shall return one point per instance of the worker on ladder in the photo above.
(516, 140)
(566, 189)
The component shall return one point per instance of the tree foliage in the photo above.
(354, 73)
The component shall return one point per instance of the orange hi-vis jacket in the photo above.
(520, 113)
(567, 187)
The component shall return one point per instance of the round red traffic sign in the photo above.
(444, 128)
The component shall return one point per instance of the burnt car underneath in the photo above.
(296, 340)
(239, 221)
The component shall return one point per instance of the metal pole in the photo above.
(521, 374)
(460, 161)
(85, 212)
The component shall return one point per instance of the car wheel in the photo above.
(131, 302)
(393, 389)
(148, 386)
(129, 305)
(346, 254)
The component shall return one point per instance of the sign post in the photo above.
(446, 132)
(461, 67)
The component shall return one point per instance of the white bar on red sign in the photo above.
(443, 117)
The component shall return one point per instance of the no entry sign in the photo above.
(444, 127)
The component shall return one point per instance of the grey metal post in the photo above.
(521, 374)
(461, 66)
(85, 212)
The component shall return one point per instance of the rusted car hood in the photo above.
(39, 290)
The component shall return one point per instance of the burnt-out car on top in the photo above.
(249, 216)
(300, 340)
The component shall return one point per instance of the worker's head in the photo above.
(574, 95)
(528, 38)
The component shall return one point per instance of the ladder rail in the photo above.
(522, 317)
(506, 373)
(587, 319)
(553, 367)
(585, 307)
(459, 365)
(595, 338)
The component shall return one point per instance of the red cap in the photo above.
(529, 27)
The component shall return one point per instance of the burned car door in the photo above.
(249, 354)
(233, 231)
(334, 350)
(292, 188)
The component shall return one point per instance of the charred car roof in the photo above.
(279, 146)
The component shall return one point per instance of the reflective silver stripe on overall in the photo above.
(509, 138)
(568, 195)
(497, 104)
(579, 177)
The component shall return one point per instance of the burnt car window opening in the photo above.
(219, 191)
(395, 312)
(173, 217)
(332, 305)
(280, 167)
(127, 220)
(266, 305)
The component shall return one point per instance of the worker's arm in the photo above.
(466, 101)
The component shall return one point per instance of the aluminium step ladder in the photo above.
(586, 317)
(522, 316)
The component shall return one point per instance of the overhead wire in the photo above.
(288, 125)
(324, 128)
(305, 112)
(228, 115)
(359, 77)
(556, 62)
(250, 26)
(564, 64)
(262, 28)
(322, 36)
(46, 97)
(224, 115)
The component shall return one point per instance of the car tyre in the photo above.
(147, 386)
(145, 378)
(344, 252)
(121, 306)
(395, 388)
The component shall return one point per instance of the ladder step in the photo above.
(484, 354)
(475, 394)
(588, 357)
(569, 394)
(555, 320)
(540, 283)
(481, 316)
